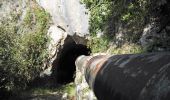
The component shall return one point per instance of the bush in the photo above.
(104, 45)
(121, 22)
(118, 16)
(23, 49)
(98, 44)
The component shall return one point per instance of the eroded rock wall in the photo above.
(13, 7)
(156, 34)
(68, 21)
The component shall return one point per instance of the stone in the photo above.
(83, 92)
(153, 40)
(65, 14)
(8, 7)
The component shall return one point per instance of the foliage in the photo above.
(98, 44)
(70, 90)
(114, 18)
(99, 12)
(103, 11)
(103, 45)
(126, 49)
(23, 48)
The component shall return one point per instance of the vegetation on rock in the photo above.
(123, 21)
(23, 48)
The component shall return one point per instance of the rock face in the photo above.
(67, 34)
(68, 41)
(156, 34)
(8, 7)
(70, 15)
(154, 41)
(70, 25)
(69, 21)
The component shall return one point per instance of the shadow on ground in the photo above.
(60, 92)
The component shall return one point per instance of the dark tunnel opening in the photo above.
(64, 67)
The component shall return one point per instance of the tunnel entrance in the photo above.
(64, 66)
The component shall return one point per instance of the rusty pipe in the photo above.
(128, 76)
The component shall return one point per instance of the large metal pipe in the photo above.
(128, 77)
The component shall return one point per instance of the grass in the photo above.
(105, 45)
(68, 88)
(126, 48)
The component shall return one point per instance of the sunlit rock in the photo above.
(69, 14)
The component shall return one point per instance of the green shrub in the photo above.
(99, 12)
(126, 49)
(98, 44)
(114, 18)
(104, 45)
(23, 49)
